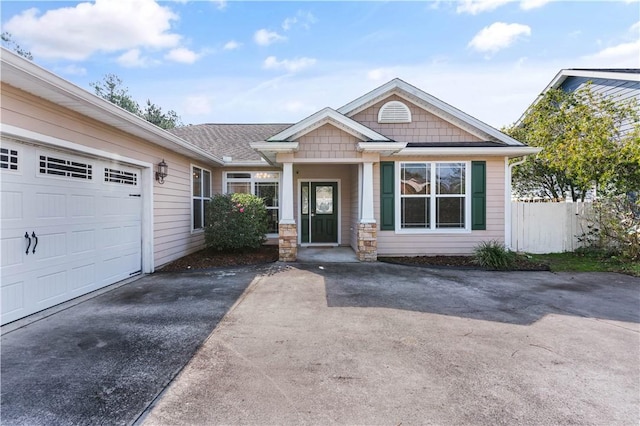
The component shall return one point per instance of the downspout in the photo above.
(507, 201)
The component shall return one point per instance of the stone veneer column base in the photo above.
(367, 242)
(288, 242)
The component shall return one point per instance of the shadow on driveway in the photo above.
(105, 360)
(509, 297)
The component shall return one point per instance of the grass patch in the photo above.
(587, 262)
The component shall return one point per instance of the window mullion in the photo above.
(432, 196)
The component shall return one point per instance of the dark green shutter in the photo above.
(387, 205)
(478, 195)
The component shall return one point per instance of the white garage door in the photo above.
(70, 225)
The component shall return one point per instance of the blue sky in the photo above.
(233, 61)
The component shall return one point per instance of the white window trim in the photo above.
(252, 181)
(432, 201)
(192, 197)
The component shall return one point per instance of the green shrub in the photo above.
(493, 255)
(236, 222)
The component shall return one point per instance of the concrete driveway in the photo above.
(387, 344)
(103, 361)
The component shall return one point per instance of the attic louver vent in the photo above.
(394, 112)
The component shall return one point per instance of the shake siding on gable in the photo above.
(392, 244)
(327, 142)
(424, 126)
(172, 201)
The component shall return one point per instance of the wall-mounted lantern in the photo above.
(162, 172)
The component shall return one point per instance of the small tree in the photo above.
(153, 114)
(236, 222)
(9, 43)
(110, 89)
(588, 139)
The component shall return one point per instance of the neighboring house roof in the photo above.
(31, 78)
(618, 74)
(324, 116)
(432, 104)
(229, 140)
(618, 83)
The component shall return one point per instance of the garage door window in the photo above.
(201, 184)
(8, 159)
(62, 167)
(120, 176)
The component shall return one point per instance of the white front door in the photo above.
(70, 225)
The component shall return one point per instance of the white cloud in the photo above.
(635, 28)
(197, 105)
(288, 23)
(265, 37)
(182, 55)
(498, 36)
(302, 19)
(533, 4)
(232, 45)
(75, 33)
(72, 69)
(624, 55)
(133, 59)
(380, 74)
(474, 7)
(222, 4)
(293, 65)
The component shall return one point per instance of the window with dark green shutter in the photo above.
(387, 190)
(478, 195)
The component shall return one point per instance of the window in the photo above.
(8, 159)
(433, 196)
(201, 184)
(262, 184)
(66, 168)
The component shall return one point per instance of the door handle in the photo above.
(26, 235)
(33, 234)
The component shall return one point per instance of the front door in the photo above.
(319, 211)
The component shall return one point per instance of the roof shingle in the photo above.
(230, 140)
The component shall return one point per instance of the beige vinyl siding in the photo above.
(329, 172)
(442, 243)
(424, 126)
(172, 201)
(327, 142)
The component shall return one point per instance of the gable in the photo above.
(327, 141)
(424, 126)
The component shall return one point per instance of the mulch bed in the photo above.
(461, 262)
(207, 258)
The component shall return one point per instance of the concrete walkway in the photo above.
(387, 344)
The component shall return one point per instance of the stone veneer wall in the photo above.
(367, 242)
(288, 242)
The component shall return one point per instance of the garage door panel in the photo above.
(11, 208)
(89, 228)
(13, 298)
(82, 206)
(82, 277)
(82, 240)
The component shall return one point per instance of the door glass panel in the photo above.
(324, 200)
(305, 199)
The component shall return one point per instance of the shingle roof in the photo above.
(230, 140)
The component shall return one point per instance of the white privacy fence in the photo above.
(547, 227)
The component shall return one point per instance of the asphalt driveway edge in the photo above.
(145, 412)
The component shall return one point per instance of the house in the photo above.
(394, 172)
(621, 84)
(92, 194)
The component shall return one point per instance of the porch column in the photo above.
(288, 233)
(367, 228)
